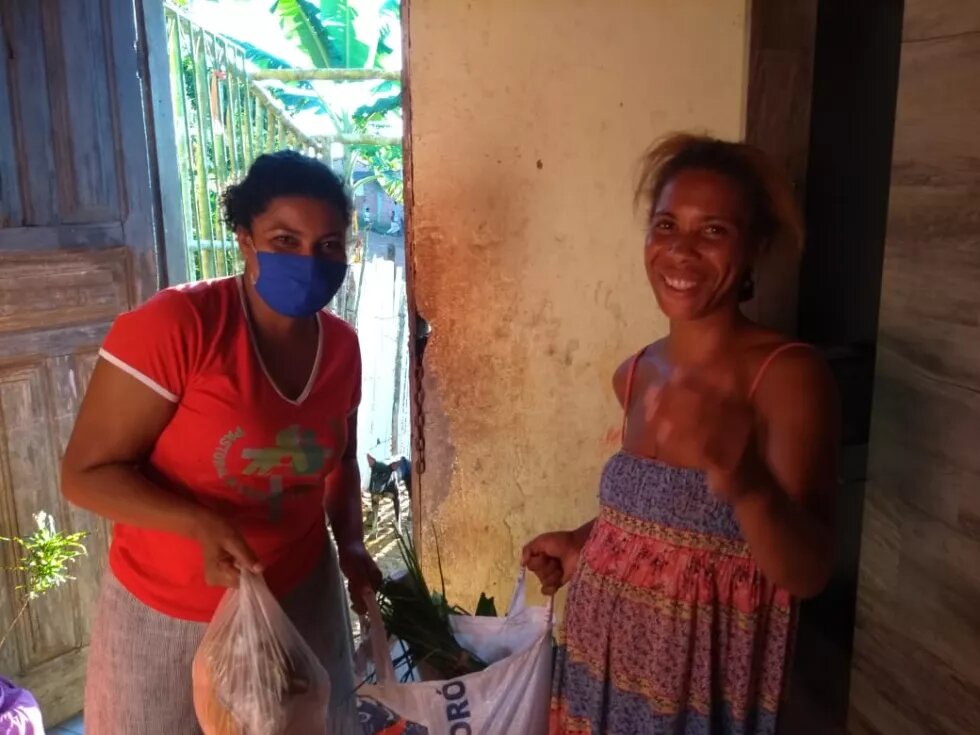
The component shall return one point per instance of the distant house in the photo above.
(371, 195)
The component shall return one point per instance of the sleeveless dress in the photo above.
(670, 626)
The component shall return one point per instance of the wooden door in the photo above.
(78, 244)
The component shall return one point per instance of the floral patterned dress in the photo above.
(671, 627)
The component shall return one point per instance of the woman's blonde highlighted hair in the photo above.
(775, 221)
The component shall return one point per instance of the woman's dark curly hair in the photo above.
(282, 174)
(774, 217)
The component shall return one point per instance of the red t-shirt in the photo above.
(235, 443)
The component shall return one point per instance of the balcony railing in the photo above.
(224, 120)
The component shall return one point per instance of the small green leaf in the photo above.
(302, 23)
(45, 556)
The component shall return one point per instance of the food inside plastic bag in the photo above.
(253, 673)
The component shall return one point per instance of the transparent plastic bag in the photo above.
(253, 673)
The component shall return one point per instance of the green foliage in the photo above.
(352, 45)
(347, 50)
(43, 561)
(45, 556)
(295, 96)
(262, 58)
(377, 110)
(329, 34)
(419, 617)
(302, 23)
(386, 165)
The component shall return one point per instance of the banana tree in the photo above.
(343, 34)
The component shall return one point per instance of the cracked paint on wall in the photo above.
(527, 123)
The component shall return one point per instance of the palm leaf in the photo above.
(303, 24)
(294, 96)
(262, 58)
(379, 108)
(328, 35)
(347, 50)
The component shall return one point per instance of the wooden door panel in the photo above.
(31, 469)
(10, 206)
(85, 154)
(79, 224)
(30, 114)
(46, 290)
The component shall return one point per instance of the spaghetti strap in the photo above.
(629, 390)
(769, 360)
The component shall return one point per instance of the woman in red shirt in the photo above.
(220, 422)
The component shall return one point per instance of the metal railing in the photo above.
(224, 120)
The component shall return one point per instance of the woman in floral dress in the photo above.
(716, 514)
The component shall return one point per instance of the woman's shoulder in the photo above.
(209, 295)
(778, 367)
(339, 332)
(651, 354)
(189, 300)
(760, 346)
(334, 323)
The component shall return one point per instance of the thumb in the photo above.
(534, 548)
(526, 554)
(242, 553)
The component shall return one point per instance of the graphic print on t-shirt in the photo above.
(296, 464)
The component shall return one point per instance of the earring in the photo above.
(252, 275)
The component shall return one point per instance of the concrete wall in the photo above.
(917, 644)
(527, 119)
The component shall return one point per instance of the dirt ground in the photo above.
(381, 540)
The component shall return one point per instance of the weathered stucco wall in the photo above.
(527, 122)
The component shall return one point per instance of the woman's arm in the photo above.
(553, 557)
(581, 534)
(784, 491)
(342, 502)
(343, 493)
(774, 461)
(119, 422)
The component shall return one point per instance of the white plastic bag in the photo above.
(253, 673)
(510, 697)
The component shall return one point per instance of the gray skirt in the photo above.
(139, 668)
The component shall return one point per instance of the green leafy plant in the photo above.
(44, 557)
(419, 617)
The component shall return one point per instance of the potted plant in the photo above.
(42, 560)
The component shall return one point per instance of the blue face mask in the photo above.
(298, 285)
